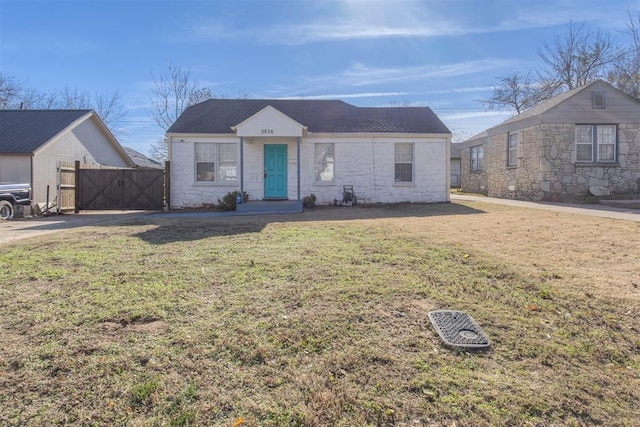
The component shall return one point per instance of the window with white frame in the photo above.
(403, 160)
(477, 158)
(324, 162)
(512, 150)
(596, 143)
(216, 162)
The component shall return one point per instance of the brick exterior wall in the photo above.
(367, 163)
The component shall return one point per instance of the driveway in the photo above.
(24, 228)
(602, 211)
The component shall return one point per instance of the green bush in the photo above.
(309, 202)
(228, 202)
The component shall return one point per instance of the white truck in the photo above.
(12, 196)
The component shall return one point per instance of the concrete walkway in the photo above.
(602, 211)
(23, 228)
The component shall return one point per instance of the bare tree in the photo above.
(159, 150)
(108, 105)
(110, 108)
(14, 94)
(515, 91)
(199, 95)
(403, 102)
(625, 74)
(73, 99)
(574, 59)
(577, 58)
(171, 94)
(10, 90)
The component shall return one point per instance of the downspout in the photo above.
(448, 168)
(298, 148)
(242, 166)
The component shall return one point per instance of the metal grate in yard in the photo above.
(458, 329)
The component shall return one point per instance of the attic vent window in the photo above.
(597, 100)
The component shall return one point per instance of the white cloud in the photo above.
(467, 115)
(349, 95)
(362, 75)
(360, 20)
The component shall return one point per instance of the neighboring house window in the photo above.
(596, 143)
(216, 162)
(403, 159)
(324, 161)
(512, 158)
(598, 100)
(477, 161)
(584, 143)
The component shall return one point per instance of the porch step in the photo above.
(263, 207)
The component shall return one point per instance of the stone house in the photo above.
(586, 140)
(455, 161)
(277, 150)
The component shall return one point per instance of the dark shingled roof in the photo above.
(219, 115)
(24, 131)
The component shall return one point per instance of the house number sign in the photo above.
(267, 131)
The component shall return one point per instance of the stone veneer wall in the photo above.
(547, 169)
(472, 181)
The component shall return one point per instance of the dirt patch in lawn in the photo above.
(590, 255)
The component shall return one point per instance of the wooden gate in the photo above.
(120, 189)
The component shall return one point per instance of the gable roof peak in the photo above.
(554, 101)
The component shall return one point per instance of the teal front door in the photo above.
(275, 171)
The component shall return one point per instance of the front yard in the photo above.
(321, 319)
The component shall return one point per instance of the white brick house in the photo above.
(287, 149)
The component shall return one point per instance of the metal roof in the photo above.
(332, 116)
(140, 160)
(24, 131)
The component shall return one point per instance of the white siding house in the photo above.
(32, 142)
(288, 149)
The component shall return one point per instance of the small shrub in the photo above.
(309, 202)
(228, 202)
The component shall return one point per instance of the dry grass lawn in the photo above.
(321, 319)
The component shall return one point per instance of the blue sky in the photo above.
(442, 54)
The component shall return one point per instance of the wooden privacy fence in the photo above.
(66, 186)
(91, 187)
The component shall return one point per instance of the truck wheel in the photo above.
(6, 210)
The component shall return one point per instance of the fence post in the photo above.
(77, 190)
(167, 184)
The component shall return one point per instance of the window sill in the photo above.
(215, 184)
(476, 170)
(404, 184)
(598, 164)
